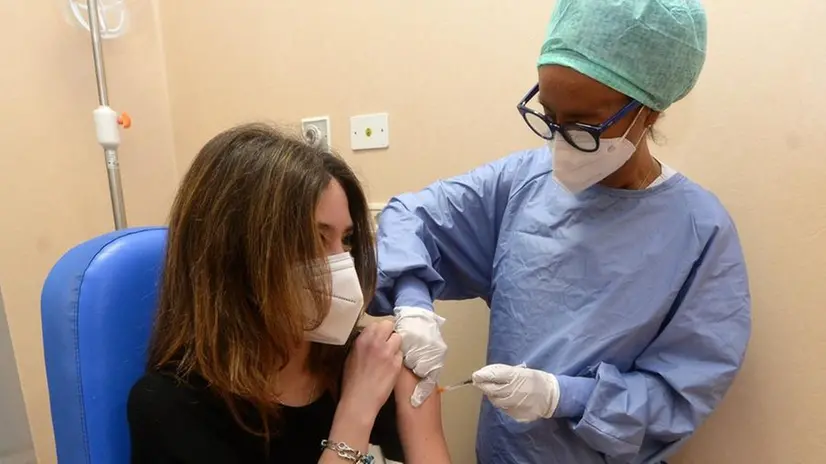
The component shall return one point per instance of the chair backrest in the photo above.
(97, 306)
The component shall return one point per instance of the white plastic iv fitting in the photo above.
(107, 127)
(112, 16)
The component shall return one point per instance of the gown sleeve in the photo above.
(440, 242)
(684, 373)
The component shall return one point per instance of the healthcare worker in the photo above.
(618, 295)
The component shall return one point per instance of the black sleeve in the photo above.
(386, 432)
(170, 423)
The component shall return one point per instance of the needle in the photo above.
(455, 386)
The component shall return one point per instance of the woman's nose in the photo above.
(336, 247)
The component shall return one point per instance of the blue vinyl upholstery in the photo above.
(97, 306)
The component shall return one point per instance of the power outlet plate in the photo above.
(369, 132)
(316, 131)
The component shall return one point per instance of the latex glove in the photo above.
(423, 348)
(524, 394)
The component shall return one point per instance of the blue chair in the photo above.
(97, 306)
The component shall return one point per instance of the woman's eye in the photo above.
(347, 242)
(325, 240)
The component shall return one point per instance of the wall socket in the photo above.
(369, 132)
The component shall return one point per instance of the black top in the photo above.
(185, 423)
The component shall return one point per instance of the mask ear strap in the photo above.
(634, 123)
(642, 136)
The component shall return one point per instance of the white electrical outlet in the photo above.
(369, 132)
(316, 131)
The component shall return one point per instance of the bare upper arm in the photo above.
(420, 428)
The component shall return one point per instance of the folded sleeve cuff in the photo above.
(411, 291)
(573, 396)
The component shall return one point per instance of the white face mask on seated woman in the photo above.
(345, 306)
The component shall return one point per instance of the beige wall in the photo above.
(53, 190)
(754, 133)
(449, 74)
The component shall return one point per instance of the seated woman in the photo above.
(269, 260)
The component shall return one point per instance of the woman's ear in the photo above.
(652, 118)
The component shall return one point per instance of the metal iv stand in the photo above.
(107, 121)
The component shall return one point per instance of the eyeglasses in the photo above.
(583, 137)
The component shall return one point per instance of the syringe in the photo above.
(455, 386)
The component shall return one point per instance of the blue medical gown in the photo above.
(637, 300)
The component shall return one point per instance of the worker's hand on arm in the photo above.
(439, 243)
(524, 394)
(423, 347)
(370, 373)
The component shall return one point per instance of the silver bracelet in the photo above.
(345, 452)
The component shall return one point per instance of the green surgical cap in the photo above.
(649, 50)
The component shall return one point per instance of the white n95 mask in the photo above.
(345, 303)
(577, 170)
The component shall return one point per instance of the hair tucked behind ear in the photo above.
(237, 292)
(655, 134)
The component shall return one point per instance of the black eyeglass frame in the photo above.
(553, 128)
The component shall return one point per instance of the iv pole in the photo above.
(107, 121)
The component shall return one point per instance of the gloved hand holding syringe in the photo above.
(524, 394)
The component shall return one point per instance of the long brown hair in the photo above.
(234, 299)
